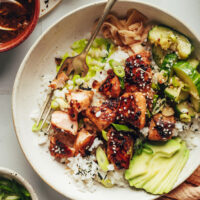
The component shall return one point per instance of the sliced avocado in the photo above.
(140, 166)
(163, 166)
(165, 148)
(196, 103)
(167, 184)
(189, 76)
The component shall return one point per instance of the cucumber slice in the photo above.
(169, 39)
(102, 159)
(193, 62)
(182, 97)
(163, 36)
(168, 62)
(196, 103)
(184, 47)
(158, 55)
(176, 94)
(189, 76)
(172, 93)
(185, 108)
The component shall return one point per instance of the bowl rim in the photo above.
(24, 35)
(16, 176)
(21, 68)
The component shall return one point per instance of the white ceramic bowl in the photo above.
(40, 61)
(10, 174)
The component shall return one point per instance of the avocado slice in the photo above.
(190, 76)
(167, 184)
(139, 163)
(162, 167)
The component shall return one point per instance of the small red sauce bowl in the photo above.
(28, 30)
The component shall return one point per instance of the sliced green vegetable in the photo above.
(196, 103)
(104, 135)
(107, 183)
(12, 190)
(185, 108)
(185, 118)
(121, 127)
(168, 62)
(102, 159)
(36, 128)
(189, 76)
(193, 62)
(170, 40)
(160, 103)
(138, 146)
(155, 99)
(162, 36)
(155, 86)
(54, 104)
(117, 68)
(122, 84)
(79, 45)
(158, 54)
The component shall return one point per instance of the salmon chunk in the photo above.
(62, 121)
(111, 86)
(119, 148)
(61, 145)
(83, 141)
(132, 109)
(60, 81)
(138, 71)
(101, 116)
(161, 127)
(80, 99)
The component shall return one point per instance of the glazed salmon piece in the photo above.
(138, 71)
(102, 116)
(60, 81)
(119, 148)
(80, 99)
(63, 121)
(132, 109)
(83, 141)
(61, 145)
(161, 127)
(111, 86)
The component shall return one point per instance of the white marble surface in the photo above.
(11, 155)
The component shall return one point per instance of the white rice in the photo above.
(190, 133)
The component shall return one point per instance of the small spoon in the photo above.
(4, 28)
(12, 1)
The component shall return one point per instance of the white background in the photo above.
(11, 155)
